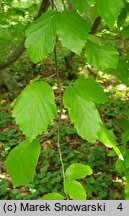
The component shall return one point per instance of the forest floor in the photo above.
(106, 181)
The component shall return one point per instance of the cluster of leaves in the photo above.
(39, 114)
(48, 177)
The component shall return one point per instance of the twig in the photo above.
(95, 25)
(59, 117)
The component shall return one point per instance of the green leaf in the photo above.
(52, 196)
(122, 71)
(101, 57)
(108, 139)
(21, 162)
(74, 189)
(71, 28)
(122, 18)
(77, 171)
(125, 137)
(91, 89)
(127, 192)
(125, 33)
(124, 124)
(80, 5)
(72, 31)
(35, 109)
(119, 166)
(41, 36)
(83, 113)
(109, 10)
(126, 159)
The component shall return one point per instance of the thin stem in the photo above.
(59, 117)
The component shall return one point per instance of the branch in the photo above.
(15, 55)
(43, 7)
(95, 25)
(19, 51)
